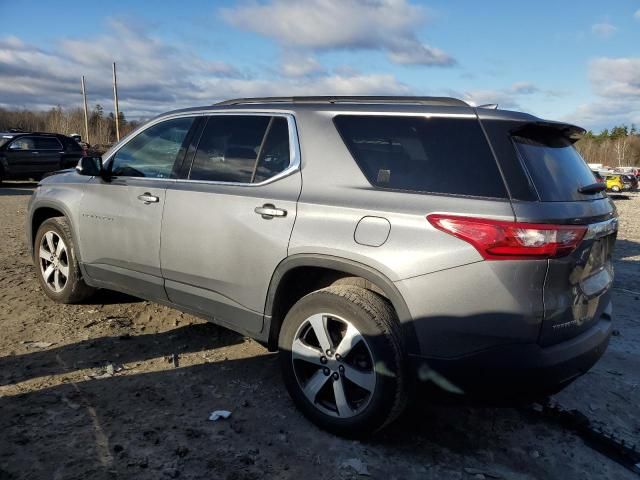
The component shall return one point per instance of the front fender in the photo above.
(63, 198)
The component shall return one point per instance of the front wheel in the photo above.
(343, 360)
(56, 263)
(615, 189)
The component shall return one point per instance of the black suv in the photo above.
(31, 155)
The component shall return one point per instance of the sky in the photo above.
(576, 61)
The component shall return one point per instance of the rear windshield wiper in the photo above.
(593, 188)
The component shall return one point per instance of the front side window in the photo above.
(420, 154)
(241, 149)
(23, 143)
(153, 152)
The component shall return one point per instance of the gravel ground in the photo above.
(67, 414)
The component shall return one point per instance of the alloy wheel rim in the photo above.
(333, 365)
(54, 261)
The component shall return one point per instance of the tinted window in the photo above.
(241, 149)
(556, 167)
(23, 143)
(274, 157)
(72, 145)
(439, 155)
(152, 152)
(47, 143)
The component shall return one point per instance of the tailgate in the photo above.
(576, 291)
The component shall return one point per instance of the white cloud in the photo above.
(508, 97)
(300, 65)
(637, 14)
(616, 77)
(604, 29)
(616, 83)
(323, 25)
(154, 77)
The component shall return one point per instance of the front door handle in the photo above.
(147, 198)
(268, 211)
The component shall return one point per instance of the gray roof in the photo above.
(366, 104)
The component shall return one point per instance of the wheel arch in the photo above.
(42, 212)
(326, 270)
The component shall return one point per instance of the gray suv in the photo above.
(375, 242)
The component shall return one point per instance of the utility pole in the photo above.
(86, 114)
(115, 101)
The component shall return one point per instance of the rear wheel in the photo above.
(56, 263)
(343, 360)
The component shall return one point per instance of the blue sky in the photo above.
(576, 61)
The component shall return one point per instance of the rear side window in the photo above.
(241, 149)
(555, 166)
(72, 145)
(436, 155)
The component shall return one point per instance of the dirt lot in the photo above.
(64, 413)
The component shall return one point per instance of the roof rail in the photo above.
(439, 101)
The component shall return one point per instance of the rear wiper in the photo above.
(593, 188)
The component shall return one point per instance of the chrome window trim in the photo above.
(294, 145)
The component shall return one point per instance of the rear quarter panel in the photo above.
(336, 196)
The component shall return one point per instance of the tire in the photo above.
(376, 359)
(51, 269)
(615, 189)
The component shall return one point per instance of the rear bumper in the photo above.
(522, 368)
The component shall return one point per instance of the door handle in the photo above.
(268, 211)
(147, 198)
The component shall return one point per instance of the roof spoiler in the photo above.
(571, 132)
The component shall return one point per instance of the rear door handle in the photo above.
(268, 211)
(147, 198)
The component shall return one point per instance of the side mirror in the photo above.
(90, 166)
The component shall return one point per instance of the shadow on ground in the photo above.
(154, 424)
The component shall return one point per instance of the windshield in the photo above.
(555, 166)
(4, 139)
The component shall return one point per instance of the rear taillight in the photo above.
(503, 240)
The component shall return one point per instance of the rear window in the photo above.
(435, 155)
(555, 166)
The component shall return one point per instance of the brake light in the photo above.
(504, 240)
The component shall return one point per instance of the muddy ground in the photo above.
(65, 414)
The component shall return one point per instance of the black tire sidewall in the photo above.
(55, 225)
(382, 349)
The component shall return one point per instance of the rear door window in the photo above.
(47, 143)
(554, 164)
(241, 149)
(436, 155)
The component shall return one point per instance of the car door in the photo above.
(121, 217)
(227, 222)
(33, 155)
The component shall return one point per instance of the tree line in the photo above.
(618, 147)
(102, 127)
